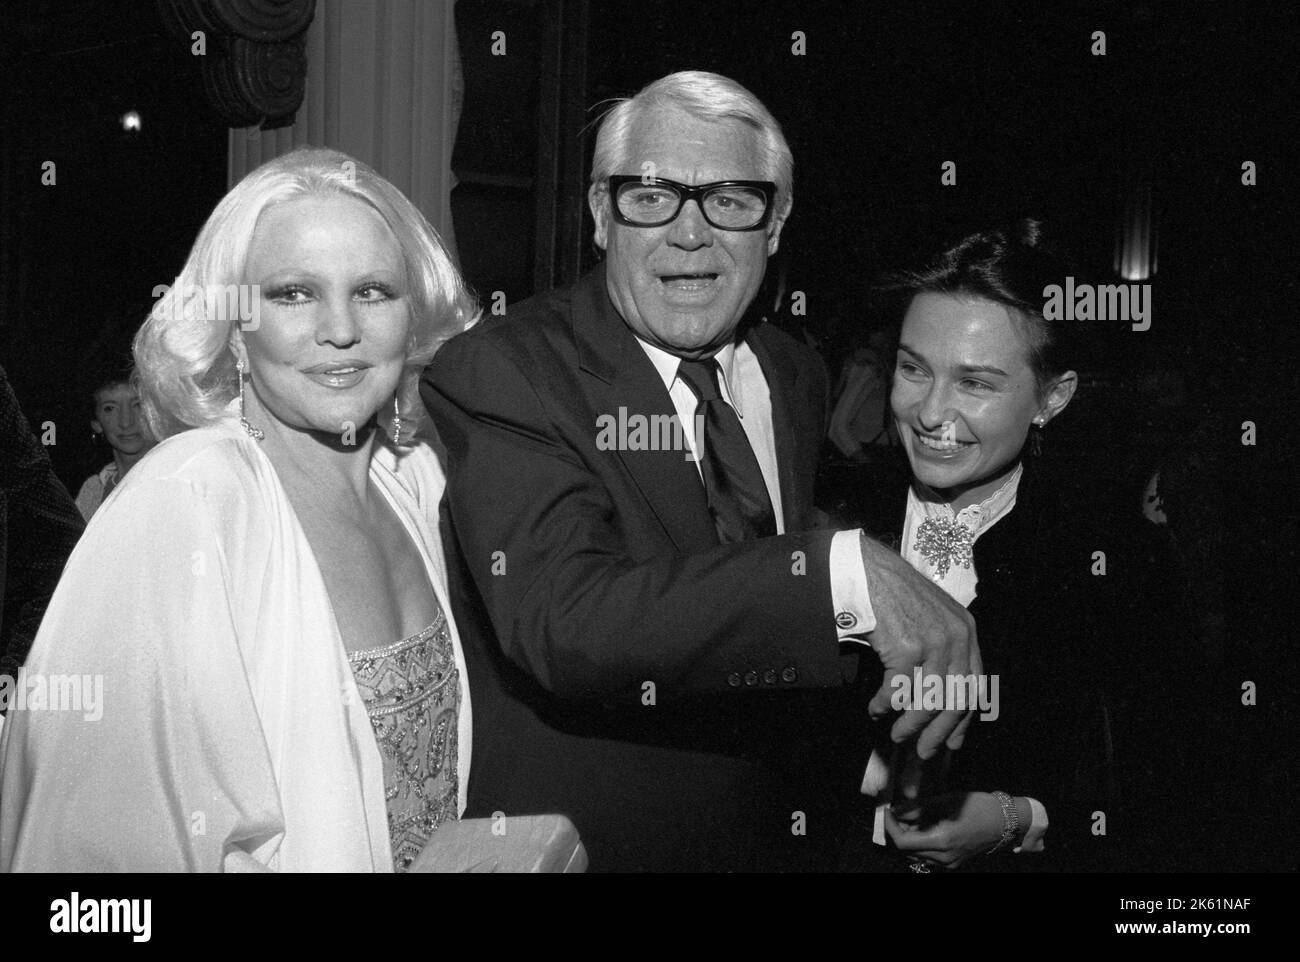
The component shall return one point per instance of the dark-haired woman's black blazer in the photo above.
(1049, 624)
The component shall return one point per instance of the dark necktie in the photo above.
(733, 481)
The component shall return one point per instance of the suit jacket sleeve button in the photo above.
(789, 675)
(733, 680)
(769, 677)
(751, 678)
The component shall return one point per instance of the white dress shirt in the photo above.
(959, 581)
(95, 489)
(744, 387)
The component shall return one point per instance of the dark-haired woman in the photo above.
(119, 423)
(980, 375)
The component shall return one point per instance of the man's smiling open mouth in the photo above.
(689, 286)
(688, 281)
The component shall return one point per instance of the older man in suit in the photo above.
(660, 645)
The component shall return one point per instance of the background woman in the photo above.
(118, 422)
(264, 600)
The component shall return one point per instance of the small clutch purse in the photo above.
(518, 843)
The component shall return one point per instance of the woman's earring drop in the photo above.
(255, 433)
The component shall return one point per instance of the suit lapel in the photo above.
(617, 374)
(1011, 550)
(782, 382)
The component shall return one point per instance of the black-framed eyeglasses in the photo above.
(725, 204)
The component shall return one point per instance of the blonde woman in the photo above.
(264, 598)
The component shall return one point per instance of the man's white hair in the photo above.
(707, 96)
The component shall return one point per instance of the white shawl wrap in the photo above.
(232, 735)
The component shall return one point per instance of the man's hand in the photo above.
(917, 624)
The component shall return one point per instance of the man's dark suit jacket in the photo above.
(680, 700)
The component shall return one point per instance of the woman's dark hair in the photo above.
(1011, 266)
(106, 367)
(107, 384)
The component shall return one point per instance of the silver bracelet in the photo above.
(1010, 822)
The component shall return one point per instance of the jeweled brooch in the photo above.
(943, 543)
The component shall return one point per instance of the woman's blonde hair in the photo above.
(185, 366)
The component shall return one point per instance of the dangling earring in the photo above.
(255, 433)
(397, 422)
(1036, 438)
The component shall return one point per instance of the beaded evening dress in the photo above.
(411, 690)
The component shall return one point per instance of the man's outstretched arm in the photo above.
(572, 602)
(586, 614)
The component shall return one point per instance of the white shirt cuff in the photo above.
(854, 616)
(1037, 828)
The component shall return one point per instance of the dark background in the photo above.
(79, 260)
(883, 96)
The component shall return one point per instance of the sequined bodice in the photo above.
(411, 690)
